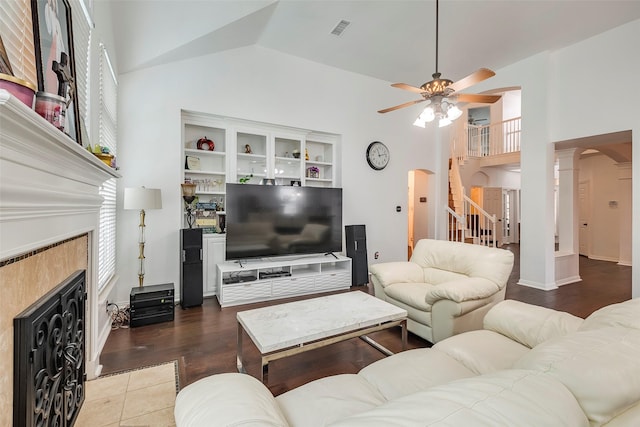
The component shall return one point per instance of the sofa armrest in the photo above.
(472, 288)
(387, 273)
(230, 399)
(529, 324)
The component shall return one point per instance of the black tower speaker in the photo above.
(191, 267)
(356, 238)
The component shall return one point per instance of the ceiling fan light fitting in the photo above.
(428, 114)
(453, 112)
(444, 121)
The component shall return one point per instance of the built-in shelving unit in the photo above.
(253, 281)
(254, 152)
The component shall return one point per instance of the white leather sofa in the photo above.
(446, 287)
(529, 366)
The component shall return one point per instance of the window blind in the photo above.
(16, 31)
(107, 131)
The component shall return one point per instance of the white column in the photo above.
(568, 203)
(625, 195)
(567, 257)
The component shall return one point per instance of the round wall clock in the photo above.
(377, 155)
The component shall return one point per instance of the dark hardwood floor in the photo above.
(203, 339)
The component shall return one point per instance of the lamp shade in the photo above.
(139, 198)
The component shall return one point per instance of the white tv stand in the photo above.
(268, 279)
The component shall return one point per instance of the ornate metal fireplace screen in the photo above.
(48, 357)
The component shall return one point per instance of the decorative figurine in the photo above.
(205, 144)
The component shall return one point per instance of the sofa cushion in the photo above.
(470, 288)
(399, 271)
(247, 402)
(328, 399)
(482, 351)
(625, 314)
(630, 417)
(411, 371)
(529, 324)
(506, 398)
(600, 367)
(470, 260)
(412, 294)
(437, 275)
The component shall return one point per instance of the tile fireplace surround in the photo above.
(49, 211)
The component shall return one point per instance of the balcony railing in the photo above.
(494, 139)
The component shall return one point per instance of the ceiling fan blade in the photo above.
(484, 99)
(397, 107)
(472, 79)
(408, 87)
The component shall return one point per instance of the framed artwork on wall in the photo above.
(53, 42)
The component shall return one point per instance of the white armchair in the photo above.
(446, 287)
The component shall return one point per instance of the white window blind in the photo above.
(107, 131)
(16, 31)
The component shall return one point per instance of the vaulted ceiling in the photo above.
(392, 40)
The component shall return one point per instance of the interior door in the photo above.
(583, 233)
(492, 203)
(506, 215)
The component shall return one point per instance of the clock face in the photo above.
(377, 155)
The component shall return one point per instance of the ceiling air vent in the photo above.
(340, 27)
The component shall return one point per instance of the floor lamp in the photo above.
(141, 198)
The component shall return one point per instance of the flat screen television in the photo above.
(277, 220)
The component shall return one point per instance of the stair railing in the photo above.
(480, 225)
(473, 225)
(493, 139)
(456, 226)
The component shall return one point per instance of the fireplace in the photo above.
(49, 351)
(49, 218)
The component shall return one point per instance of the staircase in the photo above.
(467, 221)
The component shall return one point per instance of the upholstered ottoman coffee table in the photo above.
(286, 329)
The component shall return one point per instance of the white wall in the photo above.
(511, 104)
(559, 102)
(263, 85)
(580, 68)
(473, 176)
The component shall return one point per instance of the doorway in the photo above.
(417, 208)
(584, 209)
(510, 215)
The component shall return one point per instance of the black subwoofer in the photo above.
(356, 239)
(191, 278)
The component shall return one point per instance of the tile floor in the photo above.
(143, 397)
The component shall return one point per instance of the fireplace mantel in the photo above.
(45, 180)
(49, 193)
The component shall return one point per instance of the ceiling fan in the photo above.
(441, 92)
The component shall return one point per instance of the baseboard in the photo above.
(568, 280)
(536, 285)
(603, 258)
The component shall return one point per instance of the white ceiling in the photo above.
(392, 40)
